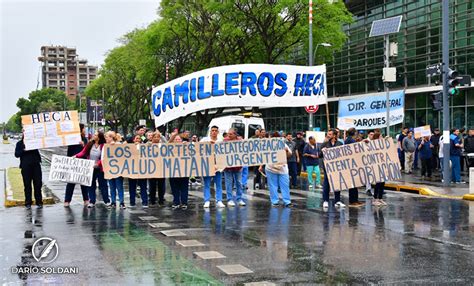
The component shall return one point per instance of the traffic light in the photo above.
(437, 101)
(453, 82)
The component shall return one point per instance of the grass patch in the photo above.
(15, 183)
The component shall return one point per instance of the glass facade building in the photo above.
(357, 68)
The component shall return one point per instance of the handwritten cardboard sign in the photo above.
(355, 165)
(171, 160)
(252, 152)
(51, 129)
(422, 131)
(71, 170)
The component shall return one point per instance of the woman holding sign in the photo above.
(115, 184)
(132, 183)
(157, 182)
(179, 186)
(278, 178)
(93, 151)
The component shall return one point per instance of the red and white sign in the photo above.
(312, 108)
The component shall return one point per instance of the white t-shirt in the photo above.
(208, 139)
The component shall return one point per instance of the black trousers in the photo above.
(426, 167)
(353, 195)
(153, 183)
(32, 174)
(378, 191)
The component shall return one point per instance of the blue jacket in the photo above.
(454, 151)
(425, 152)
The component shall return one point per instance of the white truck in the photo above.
(245, 124)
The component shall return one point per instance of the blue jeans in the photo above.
(116, 185)
(313, 170)
(70, 190)
(456, 168)
(179, 188)
(104, 190)
(279, 181)
(207, 187)
(245, 176)
(231, 178)
(132, 188)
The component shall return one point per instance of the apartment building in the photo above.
(62, 69)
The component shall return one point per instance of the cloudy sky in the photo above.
(92, 26)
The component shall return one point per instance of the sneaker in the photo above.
(207, 204)
(220, 205)
(318, 186)
(122, 206)
(39, 207)
(28, 207)
(113, 206)
(257, 186)
(242, 203)
(175, 207)
(86, 202)
(132, 206)
(275, 205)
(66, 204)
(310, 186)
(91, 205)
(144, 206)
(326, 205)
(184, 207)
(108, 205)
(289, 205)
(340, 204)
(230, 204)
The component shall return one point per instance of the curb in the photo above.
(11, 202)
(468, 197)
(414, 190)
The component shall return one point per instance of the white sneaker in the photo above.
(220, 204)
(326, 205)
(230, 204)
(108, 205)
(310, 186)
(207, 204)
(340, 204)
(242, 203)
(257, 186)
(91, 205)
(318, 187)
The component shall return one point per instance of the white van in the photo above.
(245, 124)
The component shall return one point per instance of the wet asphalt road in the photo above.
(413, 240)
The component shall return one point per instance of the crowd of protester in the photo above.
(304, 156)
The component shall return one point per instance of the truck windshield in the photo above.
(240, 128)
(252, 128)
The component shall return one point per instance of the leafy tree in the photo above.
(13, 124)
(195, 35)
